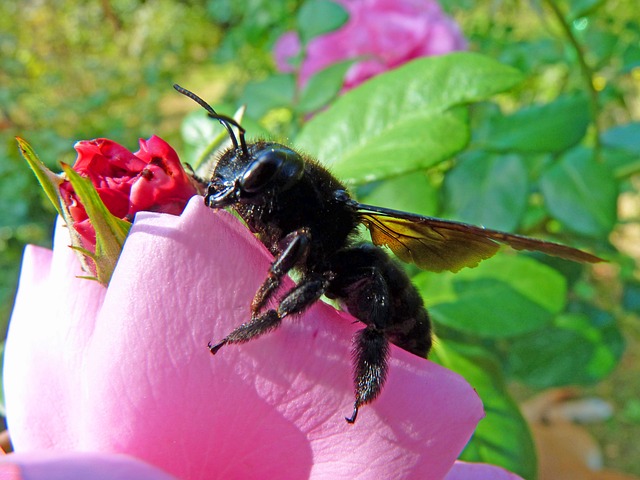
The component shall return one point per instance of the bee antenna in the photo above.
(226, 121)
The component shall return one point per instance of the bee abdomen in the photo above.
(378, 292)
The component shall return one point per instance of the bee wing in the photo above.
(435, 244)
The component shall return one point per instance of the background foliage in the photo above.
(555, 155)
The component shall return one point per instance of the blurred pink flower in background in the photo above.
(125, 369)
(383, 33)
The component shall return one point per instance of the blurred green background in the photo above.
(78, 70)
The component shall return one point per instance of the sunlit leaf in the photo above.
(406, 119)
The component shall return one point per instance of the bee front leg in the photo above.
(293, 250)
(298, 299)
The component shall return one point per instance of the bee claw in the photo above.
(353, 416)
(214, 348)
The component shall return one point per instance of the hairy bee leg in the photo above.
(269, 320)
(371, 355)
(298, 299)
(293, 250)
(364, 283)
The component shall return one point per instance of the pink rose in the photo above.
(152, 179)
(126, 369)
(76, 466)
(385, 33)
(100, 466)
(478, 471)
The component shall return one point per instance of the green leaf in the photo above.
(323, 87)
(625, 137)
(630, 59)
(622, 163)
(111, 231)
(49, 181)
(631, 297)
(503, 297)
(273, 92)
(551, 127)
(490, 309)
(406, 119)
(602, 44)
(316, 17)
(409, 149)
(579, 349)
(581, 193)
(485, 189)
(413, 192)
(502, 437)
(580, 8)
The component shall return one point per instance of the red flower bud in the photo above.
(151, 179)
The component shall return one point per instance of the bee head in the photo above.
(269, 168)
(248, 173)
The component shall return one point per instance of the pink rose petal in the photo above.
(127, 369)
(52, 322)
(479, 471)
(76, 466)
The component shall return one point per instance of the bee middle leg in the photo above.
(298, 299)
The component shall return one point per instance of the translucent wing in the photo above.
(435, 244)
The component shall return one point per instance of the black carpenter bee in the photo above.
(308, 221)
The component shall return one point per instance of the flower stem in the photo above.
(586, 71)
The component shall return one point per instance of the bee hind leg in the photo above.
(362, 285)
(370, 355)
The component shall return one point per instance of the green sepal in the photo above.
(49, 181)
(83, 251)
(111, 231)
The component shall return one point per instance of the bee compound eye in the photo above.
(261, 171)
(273, 166)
